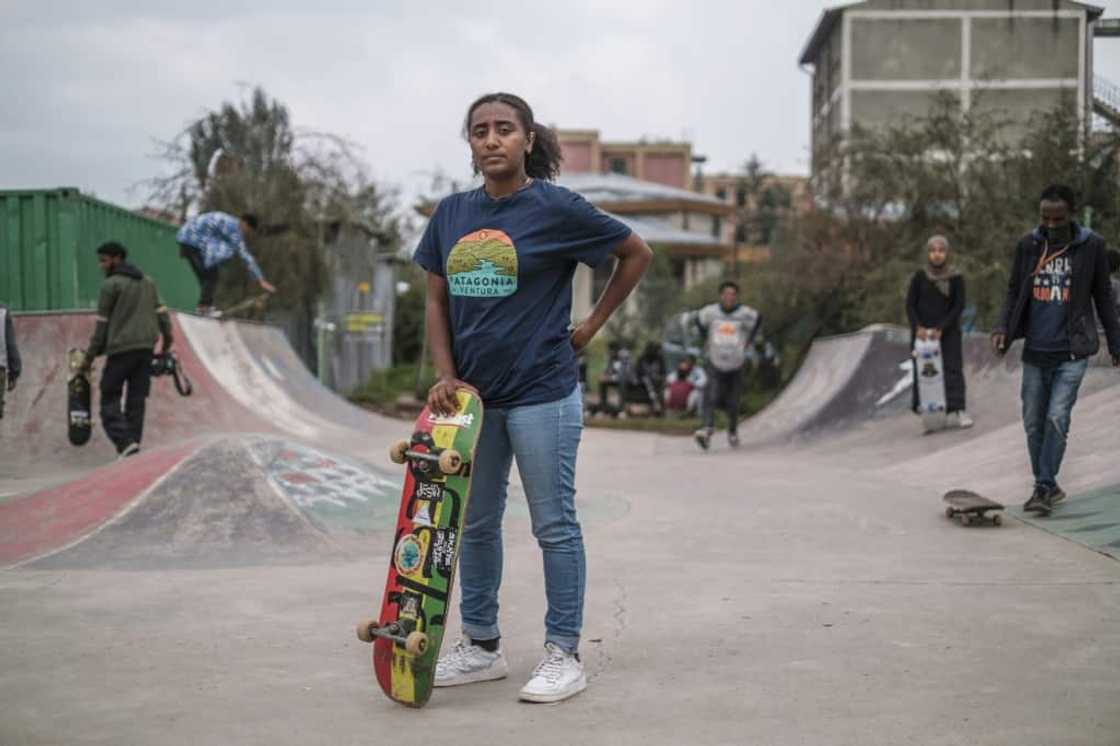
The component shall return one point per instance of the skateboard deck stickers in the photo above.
(438, 460)
(931, 384)
(79, 419)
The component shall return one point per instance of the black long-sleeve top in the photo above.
(928, 307)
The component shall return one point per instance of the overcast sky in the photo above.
(87, 87)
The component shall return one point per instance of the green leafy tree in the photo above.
(973, 176)
(305, 188)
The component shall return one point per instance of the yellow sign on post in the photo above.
(364, 322)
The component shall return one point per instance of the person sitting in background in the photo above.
(617, 375)
(684, 390)
(651, 376)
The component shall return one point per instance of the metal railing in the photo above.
(1106, 92)
(1106, 103)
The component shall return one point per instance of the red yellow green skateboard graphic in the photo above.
(407, 635)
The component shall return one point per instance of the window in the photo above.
(740, 233)
(741, 196)
(617, 166)
(717, 226)
(721, 194)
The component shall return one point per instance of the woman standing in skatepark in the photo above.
(933, 304)
(500, 261)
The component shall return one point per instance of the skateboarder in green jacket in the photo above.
(130, 317)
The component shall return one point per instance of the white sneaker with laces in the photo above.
(467, 663)
(557, 677)
(963, 420)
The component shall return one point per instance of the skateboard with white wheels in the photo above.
(931, 384)
(407, 635)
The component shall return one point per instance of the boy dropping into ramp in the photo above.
(209, 240)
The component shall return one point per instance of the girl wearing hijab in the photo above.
(934, 304)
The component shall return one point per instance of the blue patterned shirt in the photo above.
(217, 237)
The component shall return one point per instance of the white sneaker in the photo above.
(557, 677)
(130, 450)
(960, 420)
(467, 663)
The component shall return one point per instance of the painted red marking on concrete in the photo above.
(38, 523)
(295, 477)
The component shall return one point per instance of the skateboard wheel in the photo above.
(365, 629)
(949, 513)
(450, 461)
(416, 643)
(997, 520)
(397, 451)
(964, 519)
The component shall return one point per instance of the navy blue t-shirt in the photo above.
(509, 264)
(1049, 314)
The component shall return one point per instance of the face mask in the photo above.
(1061, 234)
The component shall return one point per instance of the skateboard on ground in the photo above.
(407, 635)
(79, 418)
(931, 384)
(968, 507)
(256, 303)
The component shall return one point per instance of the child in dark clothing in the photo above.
(933, 304)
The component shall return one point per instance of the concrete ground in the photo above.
(803, 594)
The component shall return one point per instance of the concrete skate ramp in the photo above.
(844, 378)
(249, 388)
(257, 368)
(33, 430)
(852, 382)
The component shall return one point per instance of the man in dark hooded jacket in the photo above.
(130, 317)
(1059, 274)
(10, 365)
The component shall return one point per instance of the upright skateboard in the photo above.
(931, 384)
(79, 419)
(407, 635)
(968, 507)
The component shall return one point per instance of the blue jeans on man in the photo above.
(1048, 394)
(544, 438)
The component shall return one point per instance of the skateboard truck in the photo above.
(414, 642)
(448, 460)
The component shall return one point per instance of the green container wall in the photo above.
(48, 240)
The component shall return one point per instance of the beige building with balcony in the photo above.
(878, 61)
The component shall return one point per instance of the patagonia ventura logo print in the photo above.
(483, 264)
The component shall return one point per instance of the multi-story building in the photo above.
(646, 185)
(753, 242)
(879, 60)
(662, 162)
(695, 218)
